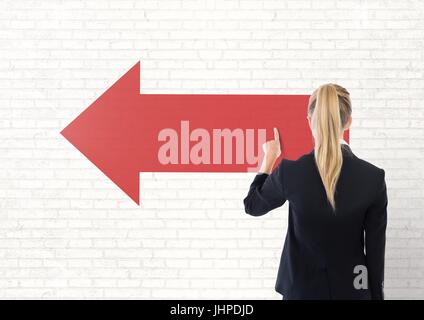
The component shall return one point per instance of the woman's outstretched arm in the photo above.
(266, 191)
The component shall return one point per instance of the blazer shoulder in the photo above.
(370, 174)
(298, 166)
(305, 158)
(290, 163)
(370, 168)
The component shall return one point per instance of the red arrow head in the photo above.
(103, 132)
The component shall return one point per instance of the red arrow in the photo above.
(119, 131)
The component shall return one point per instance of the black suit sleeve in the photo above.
(375, 240)
(266, 192)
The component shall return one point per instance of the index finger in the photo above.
(276, 134)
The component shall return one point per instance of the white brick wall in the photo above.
(66, 231)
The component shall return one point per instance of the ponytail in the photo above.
(328, 126)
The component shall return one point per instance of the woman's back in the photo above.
(324, 249)
(335, 242)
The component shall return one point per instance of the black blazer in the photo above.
(322, 248)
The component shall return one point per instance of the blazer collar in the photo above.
(347, 150)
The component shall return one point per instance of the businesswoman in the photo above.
(335, 242)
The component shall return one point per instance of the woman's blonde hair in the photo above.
(329, 109)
